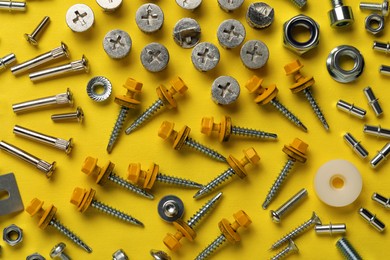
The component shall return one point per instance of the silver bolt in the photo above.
(43, 59)
(384, 70)
(355, 145)
(57, 252)
(351, 109)
(231, 33)
(45, 167)
(13, 5)
(377, 131)
(109, 6)
(254, 54)
(159, 255)
(383, 7)
(154, 57)
(385, 202)
(230, 5)
(117, 44)
(186, 33)
(288, 205)
(225, 90)
(372, 219)
(149, 18)
(190, 5)
(380, 156)
(74, 66)
(6, 61)
(56, 100)
(341, 15)
(205, 56)
(77, 116)
(331, 229)
(381, 46)
(33, 37)
(373, 101)
(58, 143)
(119, 255)
(260, 15)
(314, 220)
(80, 18)
(299, 3)
(290, 249)
(348, 251)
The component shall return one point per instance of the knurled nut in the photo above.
(126, 101)
(181, 137)
(237, 166)
(166, 97)
(294, 154)
(47, 216)
(151, 176)
(183, 228)
(228, 231)
(301, 84)
(105, 171)
(267, 94)
(226, 129)
(87, 200)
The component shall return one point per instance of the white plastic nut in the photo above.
(338, 183)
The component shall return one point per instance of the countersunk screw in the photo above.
(268, 95)
(295, 152)
(355, 145)
(314, 220)
(47, 218)
(348, 251)
(385, 202)
(106, 173)
(7, 60)
(299, 3)
(290, 249)
(165, 98)
(146, 179)
(236, 167)
(225, 129)
(381, 7)
(13, 5)
(77, 116)
(57, 252)
(372, 219)
(288, 206)
(33, 37)
(126, 102)
(83, 199)
(181, 138)
(186, 229)
(303, 84)
(229, 233)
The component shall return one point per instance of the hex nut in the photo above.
(374, 23)
(9, 232)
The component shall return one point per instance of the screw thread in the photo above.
(215, 183)
(252, 133)
(370, 6)
(203, 211)
(121, 182)
(285, 252)
(64, 230)
(337, 3)
(299, 3)
(203, 149)
(278, 183)
(177, 181)
(115, 213)
(209, 250)
(117, 128)
(289, 115)
(347, 249)
(145, 116)
(315, 107)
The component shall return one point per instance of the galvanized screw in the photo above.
(381, 7)
(355, 145)
(77, 116)
(290, 249)
(372, 219)
(33, 37)
(347, 249)
(57, 252)
(385, 202)
(380, 156)
(288, 205)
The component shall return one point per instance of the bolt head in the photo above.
(57, 250)
(293, 67)
(30, 39)
(89, 166)
(207, 125)
(133, 172)
(79, 114)
(315, 219)
(77, 196)
(179, 85)
(166, 129)
(254, 84)
(275, 217)
(299, 145)
(242, 218)
(133, 85)
(171, 242)
(252, 155)
(34, 207)
(85, 63)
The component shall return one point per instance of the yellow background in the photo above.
(105, 234)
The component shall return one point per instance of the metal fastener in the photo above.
(351, 109)
(77, 116)
(154, 57)
(119, 255)
(109, 6)
(6, 61)
(374, 23)
(13, 202)
(205, 56)
(43, 59)
(383, 7)
(385, 202)
(373, 101)
(231, 33)
(381, 156)
(225, 90)
(117, 44)
(355, 145)
(46, 167)
(189, 4)
(260, 15)
(299, 3)
(254, 54)
(99, 88)
(149, 18)
(35, 256)
(289, 205)
(57, 252)
(80, 18)
(376, 131)
(170, 208)
(58, 143)
(372, 219)
(13, 6)
(186, 32)
(290, 249)
(13, 235)
(159, 255)
(348, 251)
(33, 37)
(341, 15)
(384, 70)
(381, 46)
(331, 229)
(230, 5)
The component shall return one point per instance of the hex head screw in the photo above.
(57, 252)
(34, 36)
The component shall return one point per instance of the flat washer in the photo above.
(170, 208)
(94, 84)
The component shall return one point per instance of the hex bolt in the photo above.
(47, 218)
(372, 219)
(331, 229)
(119, 255)
(225, 129)
(36, 34)
(299, 3)
(77, 116)
(373, 101)
(381, 7)
(126, 102)
(347, 250)
(228, 232)
(303, 84)
(351, 109)
(296, 151)
(58, 100)
(106, 173)
(230, 5)
(340, 16)
(149, 18)
(289, 205)
(385, 202)
(376, 131)
(355, 145)
(83, 199)
(236, 167)
(187, 229)
(381, 46)
(265, 95)
(6, 61)
(81, 65)
(58, 143)
(45, 167)
(381, 156)
(57, 252)
(165, 98)
(159, 255)
(384, 70)
(260, 15)
(314, 220)
(186, 33)
(40, 60)
(225, 90)
(146, 179)
(290, 249)
(13, 6)
(181, 138)
(170, 208)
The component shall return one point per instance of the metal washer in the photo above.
(170, 208)
(95, 83)
(80, 18)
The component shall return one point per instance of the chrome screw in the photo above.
(383, 7)
(13, 5)
(331, 229)
(347, 249)
(290, 249)
(351, 109)
(372, 219)
(355, 145)
(45, 167)
(380, 156)
(6, 61)
(33, 37)
(373, 101)
(381, 46)
(73, 116)
(57, 252)
(376, 131)
(314, 220)
(119, 255)
(159, 255)
(288, 205)
(385, 202)
(299, 3)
